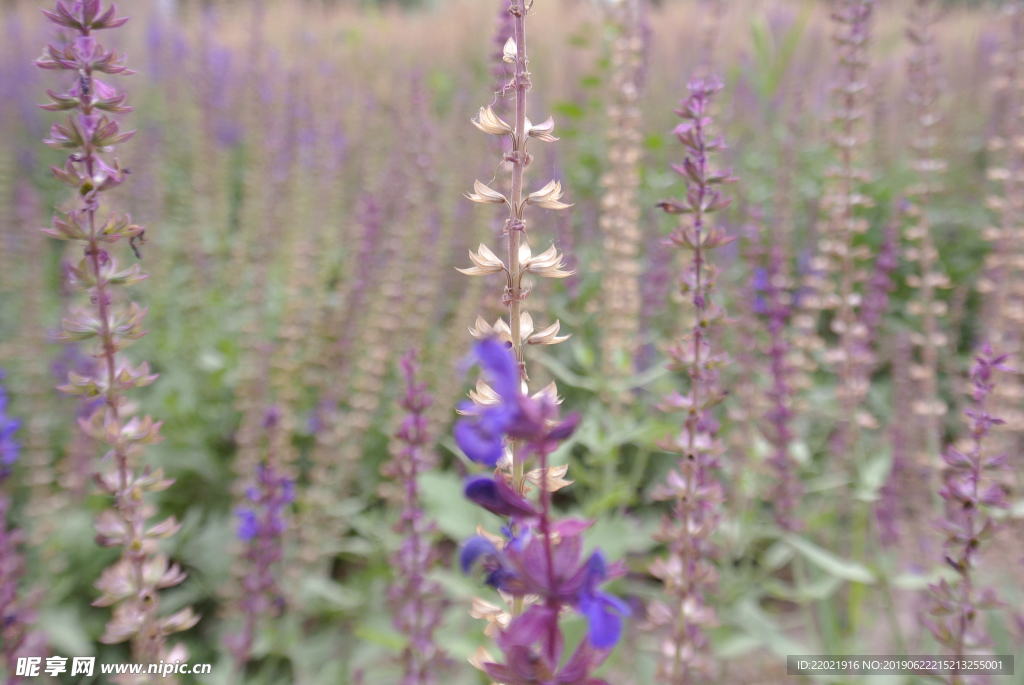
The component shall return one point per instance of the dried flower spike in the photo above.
(89, 134)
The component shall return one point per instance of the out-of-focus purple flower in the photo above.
(970, 493)
(9, 446)
(604, 611)
(497, 497)
(417, 603)
(270, 497)
(248, 524)
(516, 415)
(687, 572)
(520, 569)
(261, 526)
(541, 558)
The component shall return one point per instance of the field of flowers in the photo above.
(530, 342)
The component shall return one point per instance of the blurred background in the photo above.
(300, 170)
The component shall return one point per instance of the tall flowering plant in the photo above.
(17, 612)
(262, 522)
(688, 572)
(539, 560)
(417, 602)
(108, 321)
(970, 494)
(519, 265)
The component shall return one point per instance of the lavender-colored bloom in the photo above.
(540, 557)
(688, 573)
(417, 603)
(520, 569)
(248, 525)
(497, 497)
(261, 526)
(786, 492)
(604, 612)
(88, 134)
(9, 446)
(969, 492)
(516, 416)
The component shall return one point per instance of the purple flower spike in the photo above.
(9, 447)
(417, 603)
(971, 492)
(541, 564)
(497, 497)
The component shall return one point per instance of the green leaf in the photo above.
(315, 590)
(778, 555)
(919, 581)
(737, 644)
(830, 563)
(872, 476)
(568, 109)
(456, 516)
(389, 639)
(822, 588)
(619, 535)
(748, 616)
(65, 632)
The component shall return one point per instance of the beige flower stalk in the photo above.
(519, 329)
(1002, 284)
(838, 272)
(928, 339)
(620, 287)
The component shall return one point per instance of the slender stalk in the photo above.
(518, 331)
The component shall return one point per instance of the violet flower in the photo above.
(417, 603)
(539, 557)
(10, 448)
(262, 522)
(688, 572)
(786, 491)
(970, 492)
(17, 613)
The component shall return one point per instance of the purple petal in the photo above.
(566, 428)
(475, 548)
(497, 497)
(496, 359)
(248, 526)
(479, 444)
(605, 626)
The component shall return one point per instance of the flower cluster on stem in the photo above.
(262, 522)
(928, 277)
(620, 213)
(17, 612)
(109, 322)
(688, 572)
(970, 493)
(539, 560)
(417, 602)
(777, 311)
(837, 251)
(1002, 284)
(520, 262)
